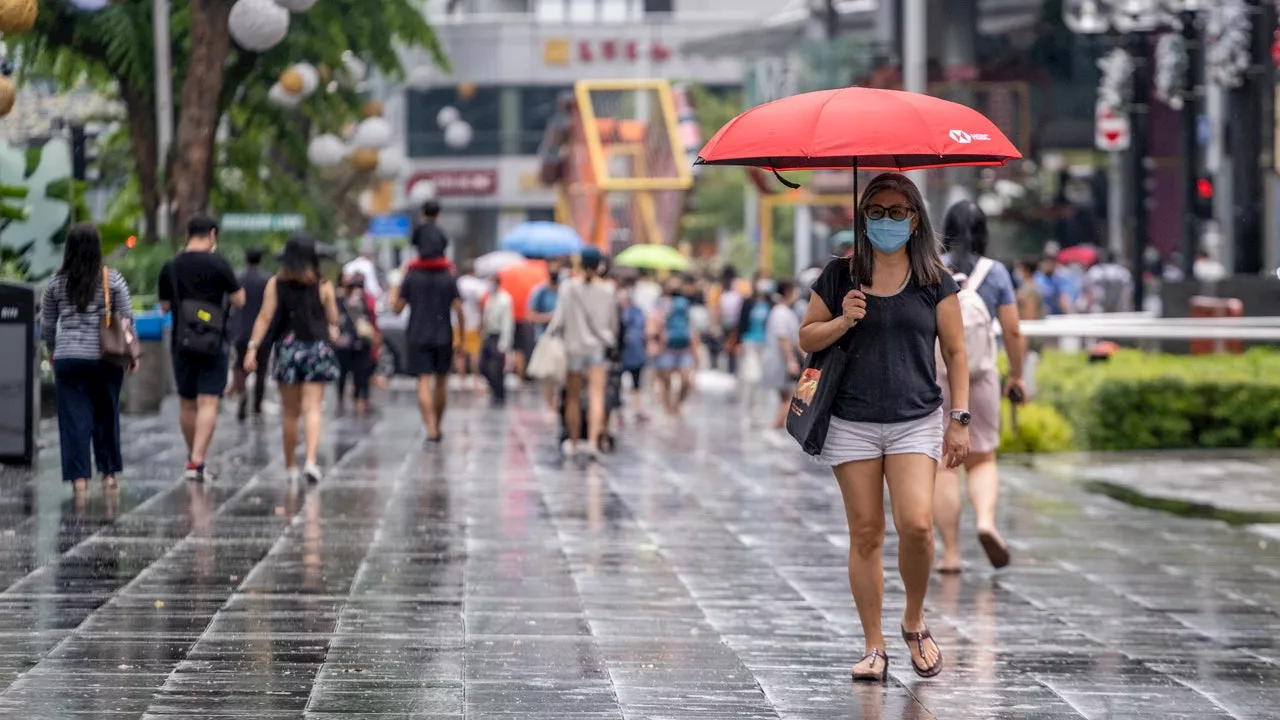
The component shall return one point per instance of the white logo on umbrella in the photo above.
(961, 137)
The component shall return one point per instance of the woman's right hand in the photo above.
(854, 307)
(251, 361)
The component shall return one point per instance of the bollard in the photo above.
(144, 391)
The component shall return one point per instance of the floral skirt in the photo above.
(301, 361)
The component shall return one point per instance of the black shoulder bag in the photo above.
(810, 414)
(199, 327)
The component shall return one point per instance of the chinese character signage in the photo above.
(558, 51)
(458, 183)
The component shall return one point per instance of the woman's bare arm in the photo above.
(266, 315)
(820, 328)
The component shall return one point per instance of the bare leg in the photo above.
(597, 377)
(426, 406)
(441, 399)
(983, 480)
(911, 493)
(946, 515)
(206, 423)
(573, 407)
(784, 407)
(187, 411)
(312, 401)
(664, 390)
(862, 486)
(686, 387)
(290, 411)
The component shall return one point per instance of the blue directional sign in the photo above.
(390, 226)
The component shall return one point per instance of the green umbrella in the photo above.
(652, 257)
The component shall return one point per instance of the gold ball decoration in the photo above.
(8, 94)
(292, 82)
(372, 108)
(17, 16)
(364, 159)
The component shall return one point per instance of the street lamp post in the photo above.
(164, 106)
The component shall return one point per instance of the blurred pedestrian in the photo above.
(678, 357)
(300, 312)
(634, 348)
(782, 357)
(587, 314)
(358, 341)
(430, 291)
(1030, 302)
(542, 307)
(1108, 285)
(254, 281)
(469, 338)
(498, 325)
(428, 238)
(730, 311)
(366, 266)
(965, 239)
(886, 421)
(199, 287)
(73, 310)
(752, 336)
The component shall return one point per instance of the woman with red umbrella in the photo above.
(886, 423)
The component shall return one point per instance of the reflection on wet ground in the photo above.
(693, 575)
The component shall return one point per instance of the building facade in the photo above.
(511, 61)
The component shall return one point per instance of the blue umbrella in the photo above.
(542, 239)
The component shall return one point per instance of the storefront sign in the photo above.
(261, 222)
(557, 51)
(458, 183)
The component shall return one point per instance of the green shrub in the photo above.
(1142, 401)
(1040, 429)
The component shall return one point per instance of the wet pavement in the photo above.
(695, 574)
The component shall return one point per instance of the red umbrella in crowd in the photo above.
(859, 128)
(1086, 255)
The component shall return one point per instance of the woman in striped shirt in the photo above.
(88, 387)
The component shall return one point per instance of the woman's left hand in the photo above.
(955, 445)
(251, 361)
(133, 366)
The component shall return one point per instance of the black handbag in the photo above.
(810, 413)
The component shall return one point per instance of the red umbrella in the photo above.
(861, 128)
(1084, 254)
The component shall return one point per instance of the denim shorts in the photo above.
(671, 360)
(855, 441)
(582, 363)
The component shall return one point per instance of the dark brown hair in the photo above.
(299, 261)
(923, 249)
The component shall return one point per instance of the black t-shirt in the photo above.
(254, 282)
(429, 240)
(202, 276)
(430, 295)
(892, 375)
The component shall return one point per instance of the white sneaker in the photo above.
(567, 450)
(312, 473)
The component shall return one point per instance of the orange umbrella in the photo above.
(519, 280)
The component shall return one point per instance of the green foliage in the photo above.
(1040, 429)
(1138, 401)
(717, 201)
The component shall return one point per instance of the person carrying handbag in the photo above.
(85, 304)
(587, 315)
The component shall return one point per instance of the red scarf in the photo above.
(431, 264)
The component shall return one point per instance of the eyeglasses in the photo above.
(897, 212)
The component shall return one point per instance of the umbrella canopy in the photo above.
(652, 257)
(862, 128)
(491, 264)
(519, 281)
(1086, 255)
(542, 239)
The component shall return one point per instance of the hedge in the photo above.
(1145, 401)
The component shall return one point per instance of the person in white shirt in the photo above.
(469, 338)
(646, 293)
(498, 324)
(365, 266)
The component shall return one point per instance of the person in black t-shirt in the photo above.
(430, 295)
(198, 274)
(889, 304)
(428, 239)
(254, 282)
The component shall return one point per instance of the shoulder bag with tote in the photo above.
(550, 357)
(118, 339)
(810, 413)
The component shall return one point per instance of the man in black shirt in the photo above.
(430, 295)
(254, 282)
(199, 275)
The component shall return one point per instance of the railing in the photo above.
(1140, 326)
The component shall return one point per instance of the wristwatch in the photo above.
(961, 416)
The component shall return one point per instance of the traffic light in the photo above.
(131, 242)
(1204, 198)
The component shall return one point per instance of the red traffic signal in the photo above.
(1204, 188)
(133, 240)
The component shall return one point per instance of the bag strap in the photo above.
(106, 296)
(980, 271)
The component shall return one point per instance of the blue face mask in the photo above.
(889, 235)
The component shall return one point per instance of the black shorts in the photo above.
(197, 375)
(430, 360)
(524, 339)
(635, 374)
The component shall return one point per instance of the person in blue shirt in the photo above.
(635, 353)
(1053, 286)
(542, 306)
(752, 337)
(678, 356)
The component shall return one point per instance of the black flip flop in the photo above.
(997, 551)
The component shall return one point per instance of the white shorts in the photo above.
(856, 441)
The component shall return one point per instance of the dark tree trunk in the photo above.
(200, 110)
(140, 106)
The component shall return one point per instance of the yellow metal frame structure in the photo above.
(791, 198)
(595, 146)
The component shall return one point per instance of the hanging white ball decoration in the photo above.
(447, 116)
(297, 6)
(374, 132)
(422, 191)
(258, 25)
(420, 78)
(310, 77)
(366, 203)
(91, 5)
(279, 96)
(391, 162)
(354, 70)
(458, 135)
(326, 150)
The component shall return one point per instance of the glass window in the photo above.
(659, 6)
(480, 108)
(537, 108)
(619, 11)
(582, 11)
(552, 11)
